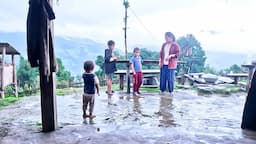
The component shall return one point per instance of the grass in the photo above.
(223, 90)
(67, 91)
(7, 101)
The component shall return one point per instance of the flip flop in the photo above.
(92, 116)
(111, 92)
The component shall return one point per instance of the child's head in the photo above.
(136, 51)
(111, 44)
(88, 66)
(169, 37)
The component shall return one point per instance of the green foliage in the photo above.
(232, 69)
(194, 62)
(7, 101)
(122, 57)
(100, 62)
(235, 68)
(9, 91)
(27, 77)
(149, 55)
(60, 92)
(208, 69)
(63, 76)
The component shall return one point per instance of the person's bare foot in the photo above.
(110, 93)
(92, 116)
(86, 116)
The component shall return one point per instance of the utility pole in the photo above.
(126, 5)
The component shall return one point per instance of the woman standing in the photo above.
(168, 60)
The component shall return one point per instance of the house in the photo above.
(7, 70)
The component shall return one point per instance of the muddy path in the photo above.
(185, 118)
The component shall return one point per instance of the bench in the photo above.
(235, 76)
(122, 73)
(150, 81)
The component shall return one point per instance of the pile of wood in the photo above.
(202, 78)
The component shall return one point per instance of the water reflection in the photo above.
(249, 134)
(89, 121)
(136, 105)
(165, 111)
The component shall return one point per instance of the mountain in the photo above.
(72, 51)
(221, 60)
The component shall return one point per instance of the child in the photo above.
(110, 65)
(91, 82)
(136, 66)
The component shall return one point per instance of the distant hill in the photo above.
(72, 51)
(221, 60)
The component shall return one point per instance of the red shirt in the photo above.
(174, 49)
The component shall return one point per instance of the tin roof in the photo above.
(9, 49)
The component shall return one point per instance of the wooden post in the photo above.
(126, 5)
(14, 75)
(2, 69)
(48, 97)
(48, 102)
(121, 78)
(249, 113)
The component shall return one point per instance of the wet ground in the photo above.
(184, 118)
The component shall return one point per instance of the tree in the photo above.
(232, 69)
(209, 69)
(27, 77)
(147, 54)
(196, 61)
(100, 62)
(63, 76)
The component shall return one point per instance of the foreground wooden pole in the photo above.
(48, 96)
(249, 113)
(48, 102)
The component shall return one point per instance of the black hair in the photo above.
(136, 49)
(111, 42)
(170, 34)
(88, 66)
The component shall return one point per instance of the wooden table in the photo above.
(236, 76)
(147, 61)
(251, 68)
(122, 73)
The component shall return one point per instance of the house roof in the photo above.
(9, 49)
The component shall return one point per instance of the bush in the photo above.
(62, 84)
(9, 90)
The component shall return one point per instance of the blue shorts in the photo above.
(110, 76)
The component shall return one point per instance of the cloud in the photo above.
(225, 25)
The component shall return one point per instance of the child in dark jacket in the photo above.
(110, 65)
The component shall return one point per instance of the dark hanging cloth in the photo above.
(40, 11)
(249, 114)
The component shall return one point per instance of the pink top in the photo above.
(174, 49)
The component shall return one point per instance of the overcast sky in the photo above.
(224, 25)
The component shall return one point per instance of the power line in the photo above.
(143, 25)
